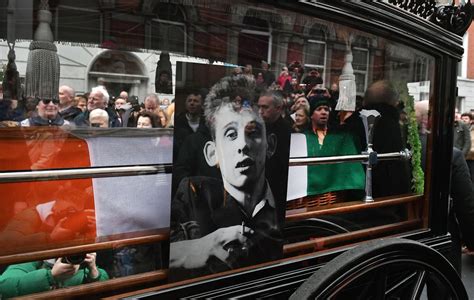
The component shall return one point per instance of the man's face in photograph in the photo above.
(241, 145)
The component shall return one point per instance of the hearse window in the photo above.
(298, 133)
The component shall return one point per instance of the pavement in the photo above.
(468, 274)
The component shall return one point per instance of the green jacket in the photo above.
(333, 177)
(35, 277)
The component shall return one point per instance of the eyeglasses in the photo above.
(47, 101)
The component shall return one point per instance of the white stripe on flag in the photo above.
(133, 203)
(297, 176)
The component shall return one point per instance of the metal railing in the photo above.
(94, 172)
(363, 158)
(97, 172)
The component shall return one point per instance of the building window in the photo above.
(460, 104)
(82, 25)
(168, 31)
(168, 36)
(360, 64)
(421, 68)
(254, 40)
(127, 31)
(316, 50)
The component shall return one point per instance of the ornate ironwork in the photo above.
(454, 18)
(423, 8)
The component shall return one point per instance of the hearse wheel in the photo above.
(385, 269)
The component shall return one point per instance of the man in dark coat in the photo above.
(389, 177)
(47, 114)
(268, 76)
(191, 161)
(66, 108)
(462, 137)
(271, 106)
(461, 224)
(188, 121)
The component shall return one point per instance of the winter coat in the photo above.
(34, 277)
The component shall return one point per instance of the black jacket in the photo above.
(190, 160)
(70, 113)
(462, 193)
(461, 217)
(182, 130)
(276, 167)
(202, 206)
(82, 120)
(391, 177)
(462, 137)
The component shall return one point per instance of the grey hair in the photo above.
(98, 112)
(228, 91)
(153, 97)
(101, 89)
(276, 95)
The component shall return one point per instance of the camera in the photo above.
(74, 259)
(319, 91)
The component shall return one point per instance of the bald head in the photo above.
(124, 95)
(66, 96)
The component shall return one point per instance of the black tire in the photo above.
(384, 269)
(302, 230)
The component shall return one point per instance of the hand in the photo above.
(59, 233)
(223, 236)
(91, 265)
(193, 254)
(62, 271)
(91, 223)
(344, 115)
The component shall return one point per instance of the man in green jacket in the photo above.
(39, 276)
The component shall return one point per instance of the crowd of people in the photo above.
(94, 109)
(234, 139)
(464, 137)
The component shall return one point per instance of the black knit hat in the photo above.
(317, 101)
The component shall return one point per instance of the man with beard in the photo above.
(218, 225)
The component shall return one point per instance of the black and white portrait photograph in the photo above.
(224, 215)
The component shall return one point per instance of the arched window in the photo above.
(118, 71)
